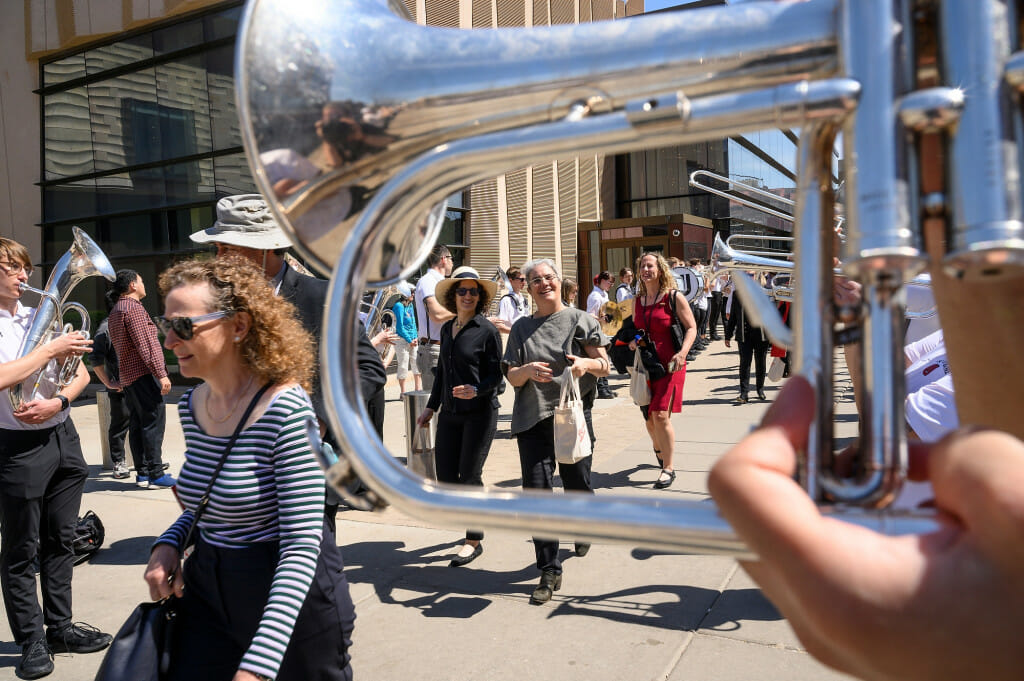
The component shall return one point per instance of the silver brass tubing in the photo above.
(873, 43)
(430, 86)
(984, 183)
(813, 316)
(883, 439)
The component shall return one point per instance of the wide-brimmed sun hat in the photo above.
(244, 220)
(464, 273)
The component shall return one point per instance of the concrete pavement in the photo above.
(636, 614)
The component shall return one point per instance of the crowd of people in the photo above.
(263, 593)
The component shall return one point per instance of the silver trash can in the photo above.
(103, 404)
(419, 442)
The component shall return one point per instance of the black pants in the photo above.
(461, 447)
(758, 351)
(225, 593)
(42, 473)
(146, 425)
(120, 419)
(537, 460)
(716, 311)
(701, 317)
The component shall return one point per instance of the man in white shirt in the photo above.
(41, 481)
(513, 306)
(430, 314)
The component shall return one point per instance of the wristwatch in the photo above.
(64, 401)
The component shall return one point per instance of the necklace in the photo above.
(238, 401)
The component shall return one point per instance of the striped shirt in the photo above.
(134, 337)
(271, 489)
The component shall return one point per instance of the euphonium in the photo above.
(82, 259)
(439, 109)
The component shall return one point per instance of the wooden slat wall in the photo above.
(484, 253)
(518, 211)
(543, 210)
(443, 13)
(568, 190)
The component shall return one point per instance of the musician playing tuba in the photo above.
(41, 480)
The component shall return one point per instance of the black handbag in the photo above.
(142, 648)
(678, 332)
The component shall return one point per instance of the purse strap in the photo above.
(205, 499)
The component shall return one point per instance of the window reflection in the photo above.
(67, 139)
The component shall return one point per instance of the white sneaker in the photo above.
(121, 471)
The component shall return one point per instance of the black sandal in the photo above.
(657, 455)
(662, 482)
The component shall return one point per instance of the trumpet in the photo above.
(82, 259)
(500, 103)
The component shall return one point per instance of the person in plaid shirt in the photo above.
(140, 362)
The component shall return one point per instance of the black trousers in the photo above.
(461, 446)
(225, 593)
(758, 351)
(120, 420)
(537, 460)
(716, 311)
(146, 425)
(701, 317)
(42, 473)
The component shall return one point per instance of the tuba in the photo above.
(82, 259)
(449, 108)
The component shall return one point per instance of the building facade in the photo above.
(119, 117)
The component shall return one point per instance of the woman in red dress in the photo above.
(652, 314)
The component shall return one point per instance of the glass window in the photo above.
(119, 138)
(184, 108)
(220, 84)
(178, 37)
(141, 233)
(223, 24)
(122, 53)
(63, 70)
(232, 176)
(183, 222)
(67, 138)
(70, 201)
(138, 190)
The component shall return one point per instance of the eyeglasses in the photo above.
(16, 268)
(461, 291)
(185, 327)
(548, 278)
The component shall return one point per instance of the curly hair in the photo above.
(666, 281)
(277, 349)
(482, 300)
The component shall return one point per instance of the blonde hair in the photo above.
(15, 252)
(277, 349)
(666, 282)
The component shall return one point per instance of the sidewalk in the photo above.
(639, 614)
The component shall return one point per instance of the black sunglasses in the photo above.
(185, 327)
(461, 291)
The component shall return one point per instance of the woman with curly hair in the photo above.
(657, 302)
(265, 596)
(465, 389)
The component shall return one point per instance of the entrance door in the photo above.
(624, 252)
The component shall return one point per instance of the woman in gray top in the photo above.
(540, 350)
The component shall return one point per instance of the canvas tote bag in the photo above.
(639, 385)
(572, 440)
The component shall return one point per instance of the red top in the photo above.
(134, 337)
(666, 392)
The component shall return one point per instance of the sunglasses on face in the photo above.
(461, 291)
(518, 278)
(185, 327)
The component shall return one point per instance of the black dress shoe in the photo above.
(582, 549)
(742, 399)
(665, 479)
(459, 561)
(605, 395)
(550, 582)
(78, 637)
(36, 660)
(761, 396)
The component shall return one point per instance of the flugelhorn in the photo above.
(456, 107)
(82, 259)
